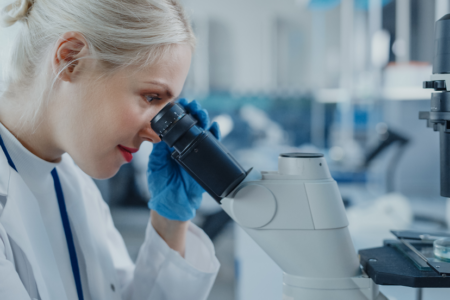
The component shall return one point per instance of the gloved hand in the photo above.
(174, 193)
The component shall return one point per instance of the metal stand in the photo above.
(438, 118)
(419, 294)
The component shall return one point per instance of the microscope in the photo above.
(297, 216)
(438, 117)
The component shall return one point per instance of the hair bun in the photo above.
(14, 12)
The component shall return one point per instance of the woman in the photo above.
(85, 79)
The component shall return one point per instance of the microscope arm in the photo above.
(298, 218)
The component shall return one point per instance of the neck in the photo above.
(37, 137)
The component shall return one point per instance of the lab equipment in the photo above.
(418, 235)
(175, 194)
(408, 261)
(441, 249)
(323, 4)
(438, 117)
(330, 4)
(412, 261)
(199, 153)
(388, 138)
(297, 216)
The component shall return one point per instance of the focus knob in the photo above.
(437, 85)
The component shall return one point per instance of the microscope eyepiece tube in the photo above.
(198, 151)
(441, 63)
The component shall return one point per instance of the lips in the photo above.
(127, 152)
(131, 150)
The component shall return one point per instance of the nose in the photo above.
(149, 134)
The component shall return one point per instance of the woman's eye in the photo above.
(150, 98)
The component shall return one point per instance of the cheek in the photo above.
(114, 122)
(94, 137)
(106, 162)
(95, 124)
(128, 123)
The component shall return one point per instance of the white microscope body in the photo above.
(298, 218)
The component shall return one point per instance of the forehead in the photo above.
(169, 69)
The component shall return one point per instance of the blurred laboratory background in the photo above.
(339, 77)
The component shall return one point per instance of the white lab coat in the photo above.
(29, 270)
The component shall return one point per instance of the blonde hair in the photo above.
(119, 33)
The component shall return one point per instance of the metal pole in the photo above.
(347, 43)
(402, 30)
(419, 294)
(375, 26)
(375, 16)
(442, 7)
(346, 80)
(318, 69)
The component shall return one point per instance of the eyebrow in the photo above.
(163, 85)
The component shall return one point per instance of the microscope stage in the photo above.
(387, 265)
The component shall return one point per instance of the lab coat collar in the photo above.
(27, 164)
(26, 228)
(90, 233)
(5, 170)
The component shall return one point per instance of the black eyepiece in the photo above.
(169, 115)
(198, 151)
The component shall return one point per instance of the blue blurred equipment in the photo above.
(365, 4)
(174, 193)
(323, 4)
(330, 4)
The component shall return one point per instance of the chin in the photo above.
(100, 171)
(103, 173)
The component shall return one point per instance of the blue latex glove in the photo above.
(174, 193)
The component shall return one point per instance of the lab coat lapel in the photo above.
(25, 226)
(97, 267)
(91, 235)
(4, 175)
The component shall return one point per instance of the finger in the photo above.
(193, 106)
(215, 130)
(183, 102)
(195, 109)
(159, 156)
(160, 150)
(202, 118)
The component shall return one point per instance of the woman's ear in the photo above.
(67, 61)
